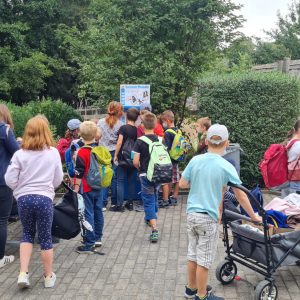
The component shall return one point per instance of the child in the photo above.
(207, 177)
(141, 161)
(168, 123)
(203, 125)
(34, 173)
(92, 198)
(127, 136)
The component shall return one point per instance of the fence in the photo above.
(285, 66)
(89, 113)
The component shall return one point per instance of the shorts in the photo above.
(203, 233)
(176, 174)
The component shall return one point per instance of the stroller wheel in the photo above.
(226, 271)
(266, 291)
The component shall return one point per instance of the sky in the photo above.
(261, 15)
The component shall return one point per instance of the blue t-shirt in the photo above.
(208, 174)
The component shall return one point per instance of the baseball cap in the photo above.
(73, 124)
(146, 106)
(217, 130)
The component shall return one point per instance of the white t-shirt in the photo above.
(35, 172)
(294, 152)
(109, 135)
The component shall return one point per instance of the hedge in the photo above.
(57, 112)
(258, 109)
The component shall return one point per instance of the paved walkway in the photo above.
(132, 267)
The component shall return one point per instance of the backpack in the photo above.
(274, 165)
(160, 168)
(100, 172)
(125, 160)
(62, 146)
(70, 159)
(179, 147)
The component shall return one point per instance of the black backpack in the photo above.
(125, 157)
(66, 224)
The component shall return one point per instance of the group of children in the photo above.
(35, 171)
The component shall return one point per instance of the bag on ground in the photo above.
(160, 169)
(100, 172)
(274, 165)
(179, 147)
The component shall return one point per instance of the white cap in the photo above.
(217, 130)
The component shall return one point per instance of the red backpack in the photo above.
(274, 165)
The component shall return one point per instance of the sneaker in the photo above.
(98, 244)
(7, 259)
(116, 208)
(139, 208)
(191, 293)
(154, 236)
(209, 297)
(172, 201)
(85, 250)
(163, 204)
(104, 209)
(129, 205)
(49, 281)
(23, 280)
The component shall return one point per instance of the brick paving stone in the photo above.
(132, 267)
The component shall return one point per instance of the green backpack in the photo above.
(179, 147)
(100, 172)
(160, 169)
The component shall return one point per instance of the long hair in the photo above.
(114, 113)
(37, 135)
(5, 116)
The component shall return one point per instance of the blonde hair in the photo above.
(114, 113)
(37, 134)
(5, 115)
(149, 121)
(88, 130)
(205, 122)
(168, 115)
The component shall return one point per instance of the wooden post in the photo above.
(280, 66)
(286, 65)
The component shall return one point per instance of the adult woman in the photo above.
(109, 127)
(293, 147)
(8, 146)
(71, 135)
(34, 173)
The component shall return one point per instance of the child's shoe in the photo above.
(49, 281)
(85, 250)
(129, 205)
(98, 244)
(191, 293)
(6, 260)
(163, 204)
(173, 201)
(154, 236)
(23, 280)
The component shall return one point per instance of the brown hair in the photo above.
(291, 133)
(149, 121)
(37, 134)
(5, 116)
(205, 122)
(132, 114)
(114, 113)
(168, 115)
(88, 130)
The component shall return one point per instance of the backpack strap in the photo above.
(146, 140)
(291, 144)
(174, 131)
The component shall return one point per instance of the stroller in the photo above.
(259, 251)
(68, 216)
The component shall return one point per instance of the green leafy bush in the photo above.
(257, 108)
(57, 112)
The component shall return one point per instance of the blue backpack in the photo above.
(71, 159)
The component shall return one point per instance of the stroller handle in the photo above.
(260, 209)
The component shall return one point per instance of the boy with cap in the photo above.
(207, 176)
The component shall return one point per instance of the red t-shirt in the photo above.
(158, 130)
(82, 166)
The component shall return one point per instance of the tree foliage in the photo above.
(258, 109)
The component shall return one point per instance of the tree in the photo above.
(164, 43)
(287, 33)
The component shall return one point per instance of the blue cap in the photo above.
(73, 124)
